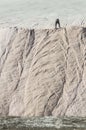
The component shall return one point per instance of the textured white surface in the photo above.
(43, 72)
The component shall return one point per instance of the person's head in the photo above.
(57, 20)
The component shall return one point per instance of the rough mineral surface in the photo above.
(46, 123)
(43, 72)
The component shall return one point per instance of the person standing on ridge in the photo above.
(57, 22)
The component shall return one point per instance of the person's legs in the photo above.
(55, 25)
(59, 24)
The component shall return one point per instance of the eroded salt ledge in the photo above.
(43, 72)
(43, 123)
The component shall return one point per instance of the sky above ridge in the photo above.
(30, 12)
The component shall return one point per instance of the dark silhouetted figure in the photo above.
(57, 22)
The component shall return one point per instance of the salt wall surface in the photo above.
(43, 72)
